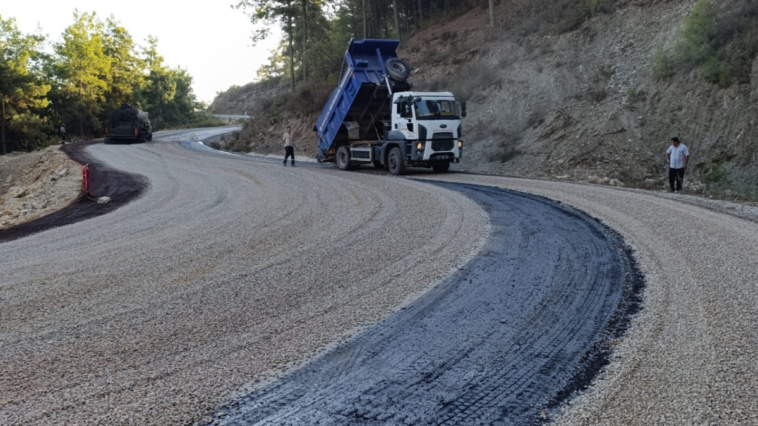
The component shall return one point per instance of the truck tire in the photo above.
(343, 158)
(441, 167)
(140, 137)
(397, 69)
(395, 162)
(149, 137)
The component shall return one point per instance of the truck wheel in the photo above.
(343, 158)
(441, 167)
(140, 137)
(395, 162)
(397, 69)
(150, 137)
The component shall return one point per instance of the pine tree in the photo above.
(83, 69)
(22, 86)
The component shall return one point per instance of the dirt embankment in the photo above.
(36, 184)
(584, 105)
(574, 102)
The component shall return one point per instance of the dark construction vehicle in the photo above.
(129, 123)
(373, 117)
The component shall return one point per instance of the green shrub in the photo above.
(694, 46)
(661, 65)
(717, 174)
(717, 72)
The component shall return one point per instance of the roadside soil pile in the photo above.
(36, 184)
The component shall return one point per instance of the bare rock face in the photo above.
(556, 129)
(17, 192)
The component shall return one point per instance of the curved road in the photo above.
(227, 273)
(493, 344)
(690, 355)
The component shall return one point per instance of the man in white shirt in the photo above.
(63, 134)
(289, 150)
(678, 156)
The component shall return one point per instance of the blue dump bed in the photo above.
(362, 97)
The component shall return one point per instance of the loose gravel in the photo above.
(224, 274)
(690, 355)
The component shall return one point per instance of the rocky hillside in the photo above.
(579, 97)
(240, 99)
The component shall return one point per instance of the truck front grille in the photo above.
(446, 145)
(447, 135)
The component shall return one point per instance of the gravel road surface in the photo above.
(226, 272)
(690, 356)
(494, 344)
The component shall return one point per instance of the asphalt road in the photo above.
(496, 343)
(689, 356)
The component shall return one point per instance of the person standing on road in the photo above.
(63, 134)
(289, 150)
(678, 156)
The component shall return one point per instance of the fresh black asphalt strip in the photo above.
(503, 341)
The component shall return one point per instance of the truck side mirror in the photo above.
(463, 109)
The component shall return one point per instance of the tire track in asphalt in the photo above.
(512, 333)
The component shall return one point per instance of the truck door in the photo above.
(403, 119)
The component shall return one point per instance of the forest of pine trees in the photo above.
(316, 32)
(95, 67)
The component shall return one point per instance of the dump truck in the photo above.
(374, 118)
(129, 123)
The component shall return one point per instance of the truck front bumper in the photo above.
(427, 153)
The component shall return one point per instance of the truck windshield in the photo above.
(433, 109)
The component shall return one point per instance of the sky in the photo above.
(207, 37)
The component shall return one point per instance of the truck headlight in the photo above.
(419, 145)
(460, 144)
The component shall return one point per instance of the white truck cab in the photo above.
(432, 121)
